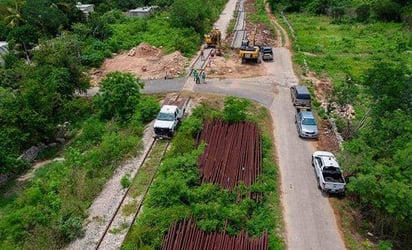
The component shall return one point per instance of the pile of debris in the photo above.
(144, 61)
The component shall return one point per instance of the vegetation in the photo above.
(49, 211)
(52, 51)
(177, 192)
(53, 45)
(366, 55)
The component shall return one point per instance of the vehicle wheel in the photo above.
(313, 164)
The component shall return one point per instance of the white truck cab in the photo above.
(169, 118)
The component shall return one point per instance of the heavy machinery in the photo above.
(249, 51)
(213, 40)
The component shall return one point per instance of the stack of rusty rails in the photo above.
(233, 154)
(186, 236)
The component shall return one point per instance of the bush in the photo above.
(125, 181)
(119, 96)
(363, 12)
(148, 108)
(235, 109)
(91, 134)
(387, 10)
(71, 228)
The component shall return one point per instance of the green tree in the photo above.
(119, 96)
(45, 16)
(387, 10)
(62, 57)
(189, 14)
(390, 85)
(23, 38)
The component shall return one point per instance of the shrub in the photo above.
(125, 181)
(363, 12)
(71, 228)
(148, 108)
(387, 10)
(235, 109)
(119, 96)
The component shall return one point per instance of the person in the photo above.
(202, 55)
(203, 76)
(195, 74)
(197, 80)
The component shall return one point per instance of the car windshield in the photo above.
(308, 121)
(165, 117)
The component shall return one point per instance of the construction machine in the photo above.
(249, 51)
(213, 40)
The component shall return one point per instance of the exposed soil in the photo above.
(145, 61)
(229, 66)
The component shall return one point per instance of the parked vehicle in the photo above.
(306, 124)
(300, 96)
(328, 172)
(169, 118)
(267, 53)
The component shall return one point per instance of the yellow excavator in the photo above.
(249, 51)
(213, 40)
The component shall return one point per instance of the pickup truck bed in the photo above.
(181, 103)
(328, 173)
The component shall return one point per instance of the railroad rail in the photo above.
(145, 157)
(136, 213)
(217, 164)
(187, 236)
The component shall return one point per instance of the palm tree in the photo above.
(12, 14)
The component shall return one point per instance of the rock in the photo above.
(30, 154)
(60, 140)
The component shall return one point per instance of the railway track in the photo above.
(104, 239)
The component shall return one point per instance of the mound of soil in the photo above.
(144, 61)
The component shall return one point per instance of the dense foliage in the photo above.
(177, 192)
(49, 211)
(378, 156)
(53, 44)
(370, 67)
(383, 10)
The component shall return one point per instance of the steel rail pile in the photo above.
(233, 153)
(186, 236)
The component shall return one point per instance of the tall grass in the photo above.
(338, 50)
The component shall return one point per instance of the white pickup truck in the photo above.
(169, 118)
(328, 172)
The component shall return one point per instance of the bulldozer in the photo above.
(249, 51)
(213, 40)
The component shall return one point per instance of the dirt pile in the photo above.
(231, 67)
(145, 61)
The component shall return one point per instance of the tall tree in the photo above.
(119, 96)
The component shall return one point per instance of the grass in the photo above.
(347, 49)
(147, 170)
